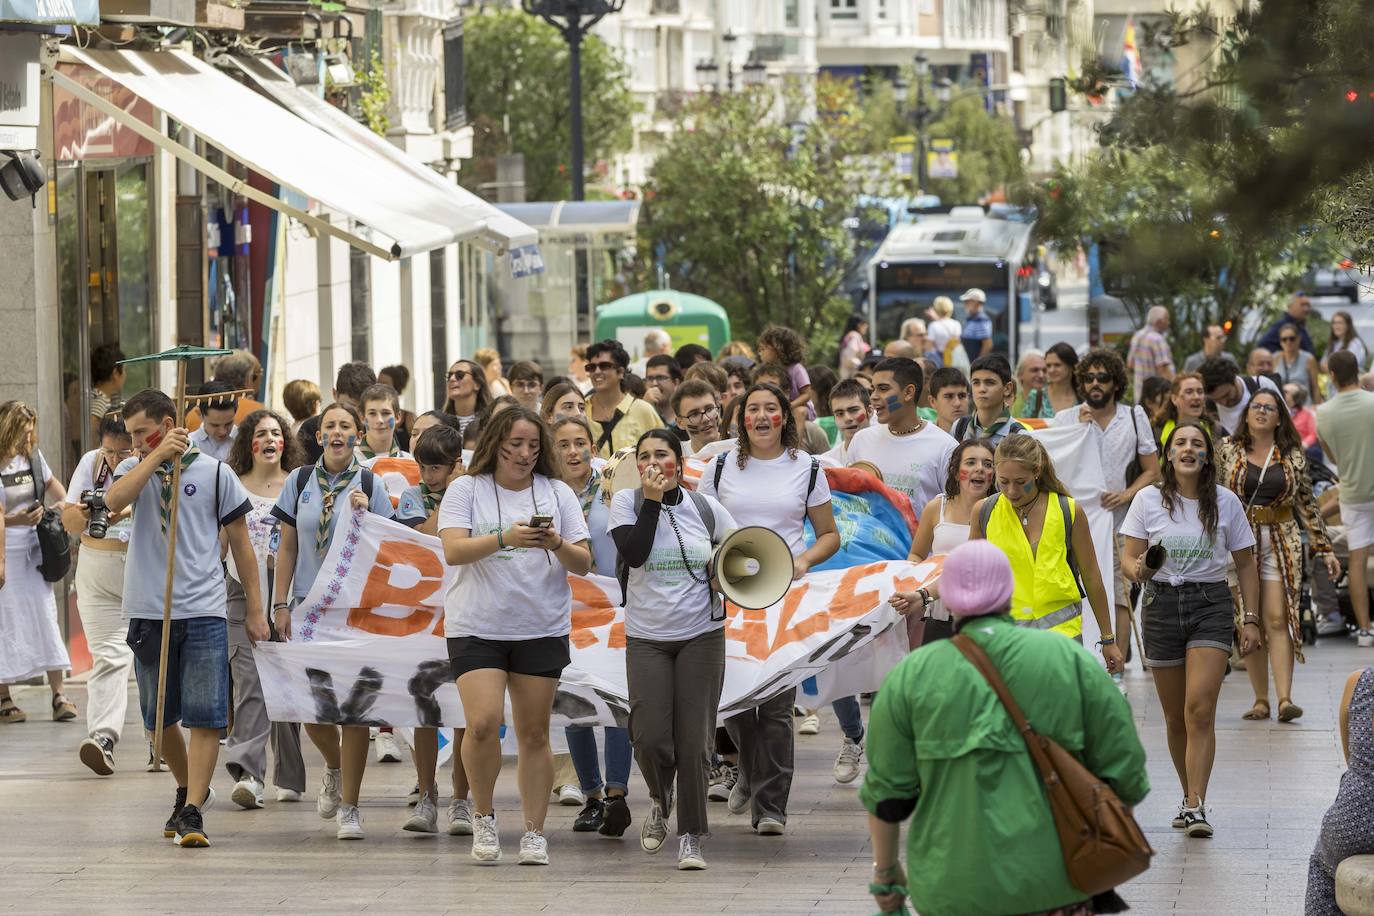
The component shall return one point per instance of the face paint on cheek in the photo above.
(154, 438)
(257, 446)
(352, 441)
(668, 466)
(390, 422)
(749, 422)
(893, 403)
(775, 419)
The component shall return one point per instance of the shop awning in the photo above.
(502, 229)
(51, 12)
(398, 213)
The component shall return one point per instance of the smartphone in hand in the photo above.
(541, 521)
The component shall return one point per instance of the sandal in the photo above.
(63, 709)
(1288, 710)
(11, 714)
(1259, 711)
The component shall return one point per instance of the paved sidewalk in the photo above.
(73, 842)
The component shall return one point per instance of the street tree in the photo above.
(518, 101)
(1215, 197)
(747, 205)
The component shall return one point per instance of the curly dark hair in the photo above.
(1285, 434)
(1206, 485)
(791, 436)
(788, 343)
(240, 458)
(952, 487)
(1101, 358)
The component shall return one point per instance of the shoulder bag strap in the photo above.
(1069, 555)
(811, 484)
(985, 514)
(960, 427)
(36, 472)
(708, 515)
(302, 481)
(979, 659)
(1245, 472)
(720, 469)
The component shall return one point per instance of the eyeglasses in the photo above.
(700, 414)
(1265, 408)
(1097, 377)
(655, 379)
(1287, 339)
(457, 375)
(527, 384)
(605, 366)
(120, 453)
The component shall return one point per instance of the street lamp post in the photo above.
(573, 19)
(754, 70)
(922, 115)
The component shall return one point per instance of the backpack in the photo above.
(708, 516)
(53, 543)
(810, 484)
(985, 515)
(368, 482)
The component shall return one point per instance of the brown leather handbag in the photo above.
(1103, 845)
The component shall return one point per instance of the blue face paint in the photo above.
(352, 441)
(390, 422)
(893, 403)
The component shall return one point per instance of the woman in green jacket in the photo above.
(943, 751)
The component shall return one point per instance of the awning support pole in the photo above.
(210, 170)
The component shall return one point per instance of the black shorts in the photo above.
(1176, 618)
(546, 656)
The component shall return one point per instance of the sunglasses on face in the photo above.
(457, 375)
(600, 367)
(1289, 339)
(1099, 377)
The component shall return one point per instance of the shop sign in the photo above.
(19, 84)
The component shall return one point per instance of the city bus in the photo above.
(944, 254)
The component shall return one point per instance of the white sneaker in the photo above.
(534, 849)
(571, 797)
(386, 748)
(654, 831)
(689, 857)
(811, 725)
(425, 817)
(209, 800)
(740, 797)
(847, 763)
(460, 817)
(247, 793)
(486, 842)
(327, 802)
(288, 795)
(1364, 639)
(723, 779)
(350, 823)
(770, 826)
(1119, 681)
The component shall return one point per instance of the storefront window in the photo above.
(136, 315)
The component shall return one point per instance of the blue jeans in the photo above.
(582, 747)
(851, 719)
(197, 673)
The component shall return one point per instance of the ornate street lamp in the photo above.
(573, 19)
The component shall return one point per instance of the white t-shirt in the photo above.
(516, 593)
(768, 494)
(1193, 556)
(664, 601)
(941, 331)
(916, 464)
(1232, 417)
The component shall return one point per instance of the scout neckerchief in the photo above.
(430, 498)
(164, 475)
(328, 493)
(393, 450)
(588, 494)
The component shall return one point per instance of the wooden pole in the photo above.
(171, 572)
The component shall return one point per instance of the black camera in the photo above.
(94, 500)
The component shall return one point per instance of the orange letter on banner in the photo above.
(790, 604)
(847, 602)
(595, 611)
(379, 591)
(752, 630)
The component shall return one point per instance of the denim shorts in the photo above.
(1176, 618)
(197, 673)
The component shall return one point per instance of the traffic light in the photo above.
(1059, 95)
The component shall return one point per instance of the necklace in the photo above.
(907, 432)
(1026, 514)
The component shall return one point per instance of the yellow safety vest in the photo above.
(1046, 594)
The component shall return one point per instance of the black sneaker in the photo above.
(1195, 822)
(1181, 818)
(617, 812)
(590, 818)
(190, 831)
(98, 754)
(169, 829)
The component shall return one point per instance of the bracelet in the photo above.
(561, 541)
(1107, 641)
(281, 605)
(500, 540)
(926, 600)
(1249, 619)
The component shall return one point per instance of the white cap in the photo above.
(977, 295)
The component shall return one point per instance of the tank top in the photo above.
(946, 536)
(1046, 595)
(262, 530)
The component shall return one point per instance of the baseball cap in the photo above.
(976, 294)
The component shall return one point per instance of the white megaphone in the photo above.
(754, 566)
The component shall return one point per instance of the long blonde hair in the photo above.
(1027, 450)
(16, 418)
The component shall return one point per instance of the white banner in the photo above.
(370, 638)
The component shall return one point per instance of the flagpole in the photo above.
(171, 573)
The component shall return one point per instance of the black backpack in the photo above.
(810, 484)
(708, 516)
(53, 541)
(985, 515)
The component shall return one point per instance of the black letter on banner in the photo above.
(429, 677)
(361, 698)
(572, 706)
(765, 691)
(618, 706)
(849, 638)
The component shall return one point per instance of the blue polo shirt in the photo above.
(977, 327)
(211, 497)
(301, 510)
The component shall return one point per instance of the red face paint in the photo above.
(963, 475)
(668, 466)
(154, 438)
(775, 419)
(257, 446)
(749, 421)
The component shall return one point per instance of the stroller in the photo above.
(1325, 608)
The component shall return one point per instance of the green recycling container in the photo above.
(686, 317)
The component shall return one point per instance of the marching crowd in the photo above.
(1221, 483)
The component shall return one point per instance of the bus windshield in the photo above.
(905, 290)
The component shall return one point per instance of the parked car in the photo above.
(1340, 279)
(1047, 286)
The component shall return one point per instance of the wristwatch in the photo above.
(926, 600)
